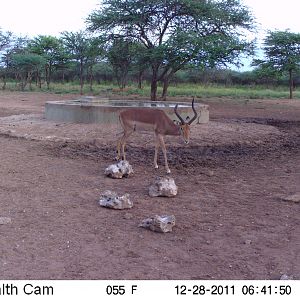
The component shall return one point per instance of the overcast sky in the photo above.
(34, 17)
(39, 17)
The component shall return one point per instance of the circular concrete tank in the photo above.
(99, 110)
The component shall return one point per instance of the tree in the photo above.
(208, 52)
(13, 45)
(93, 55)
(157, 24)
(77, 44)
(48, 47)
(139, 63)
(63, 60)
(120, 56)
(83, 49)
(282, 55)
(25, 64)
(5, 39)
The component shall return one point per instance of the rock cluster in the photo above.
(112, 200)
(164, 187)
(119, 170)
(159, 223)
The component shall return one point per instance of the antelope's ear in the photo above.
(176, 122)
(187, 119)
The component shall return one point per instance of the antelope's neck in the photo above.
(173, 130)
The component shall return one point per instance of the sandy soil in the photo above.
(231, 219)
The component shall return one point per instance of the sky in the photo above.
(276, 14)
(39, 17)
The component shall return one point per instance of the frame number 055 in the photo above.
(120, 289)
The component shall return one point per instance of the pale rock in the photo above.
(5, 220)
(112, 200)
(159, 223)
(119, 170)
(163, 186)
(128, 216)
(286, 277)
(292, 198)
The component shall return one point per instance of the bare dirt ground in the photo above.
(231, 220)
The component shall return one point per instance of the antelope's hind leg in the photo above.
(157, 143)
(122, 143)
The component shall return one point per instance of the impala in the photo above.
(156, 120)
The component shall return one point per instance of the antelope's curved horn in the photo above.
(177, 114)
(195, 113)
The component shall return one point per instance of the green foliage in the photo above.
(5, 39)
(83, 49)
(282, 51)
(25, 64)
(120, 54)
(176, 32)
(49, 48)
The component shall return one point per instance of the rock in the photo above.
(159, 223)
(248, 242)
(5, 220)
(208, 173)
(128, 216)
(163, 186)
(286, 277)
(119, 170)
(112, 200)
(292, 198)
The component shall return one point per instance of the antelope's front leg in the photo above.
(163, 146)
(118, 150)
(121, 144)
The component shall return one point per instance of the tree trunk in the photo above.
(166, 83)
(153, 89)
(154, 81)
(81, 77)
(50, 76)
(140, 79)
(23, 81)
(63, 75)
(291, 83)
(30, 80)
(91, 78)
(38, 79)
(4, 83)
(47, 75)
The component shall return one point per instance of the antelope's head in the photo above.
(184, 126)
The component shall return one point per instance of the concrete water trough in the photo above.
(100, 110)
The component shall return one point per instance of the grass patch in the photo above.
(179, 90)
